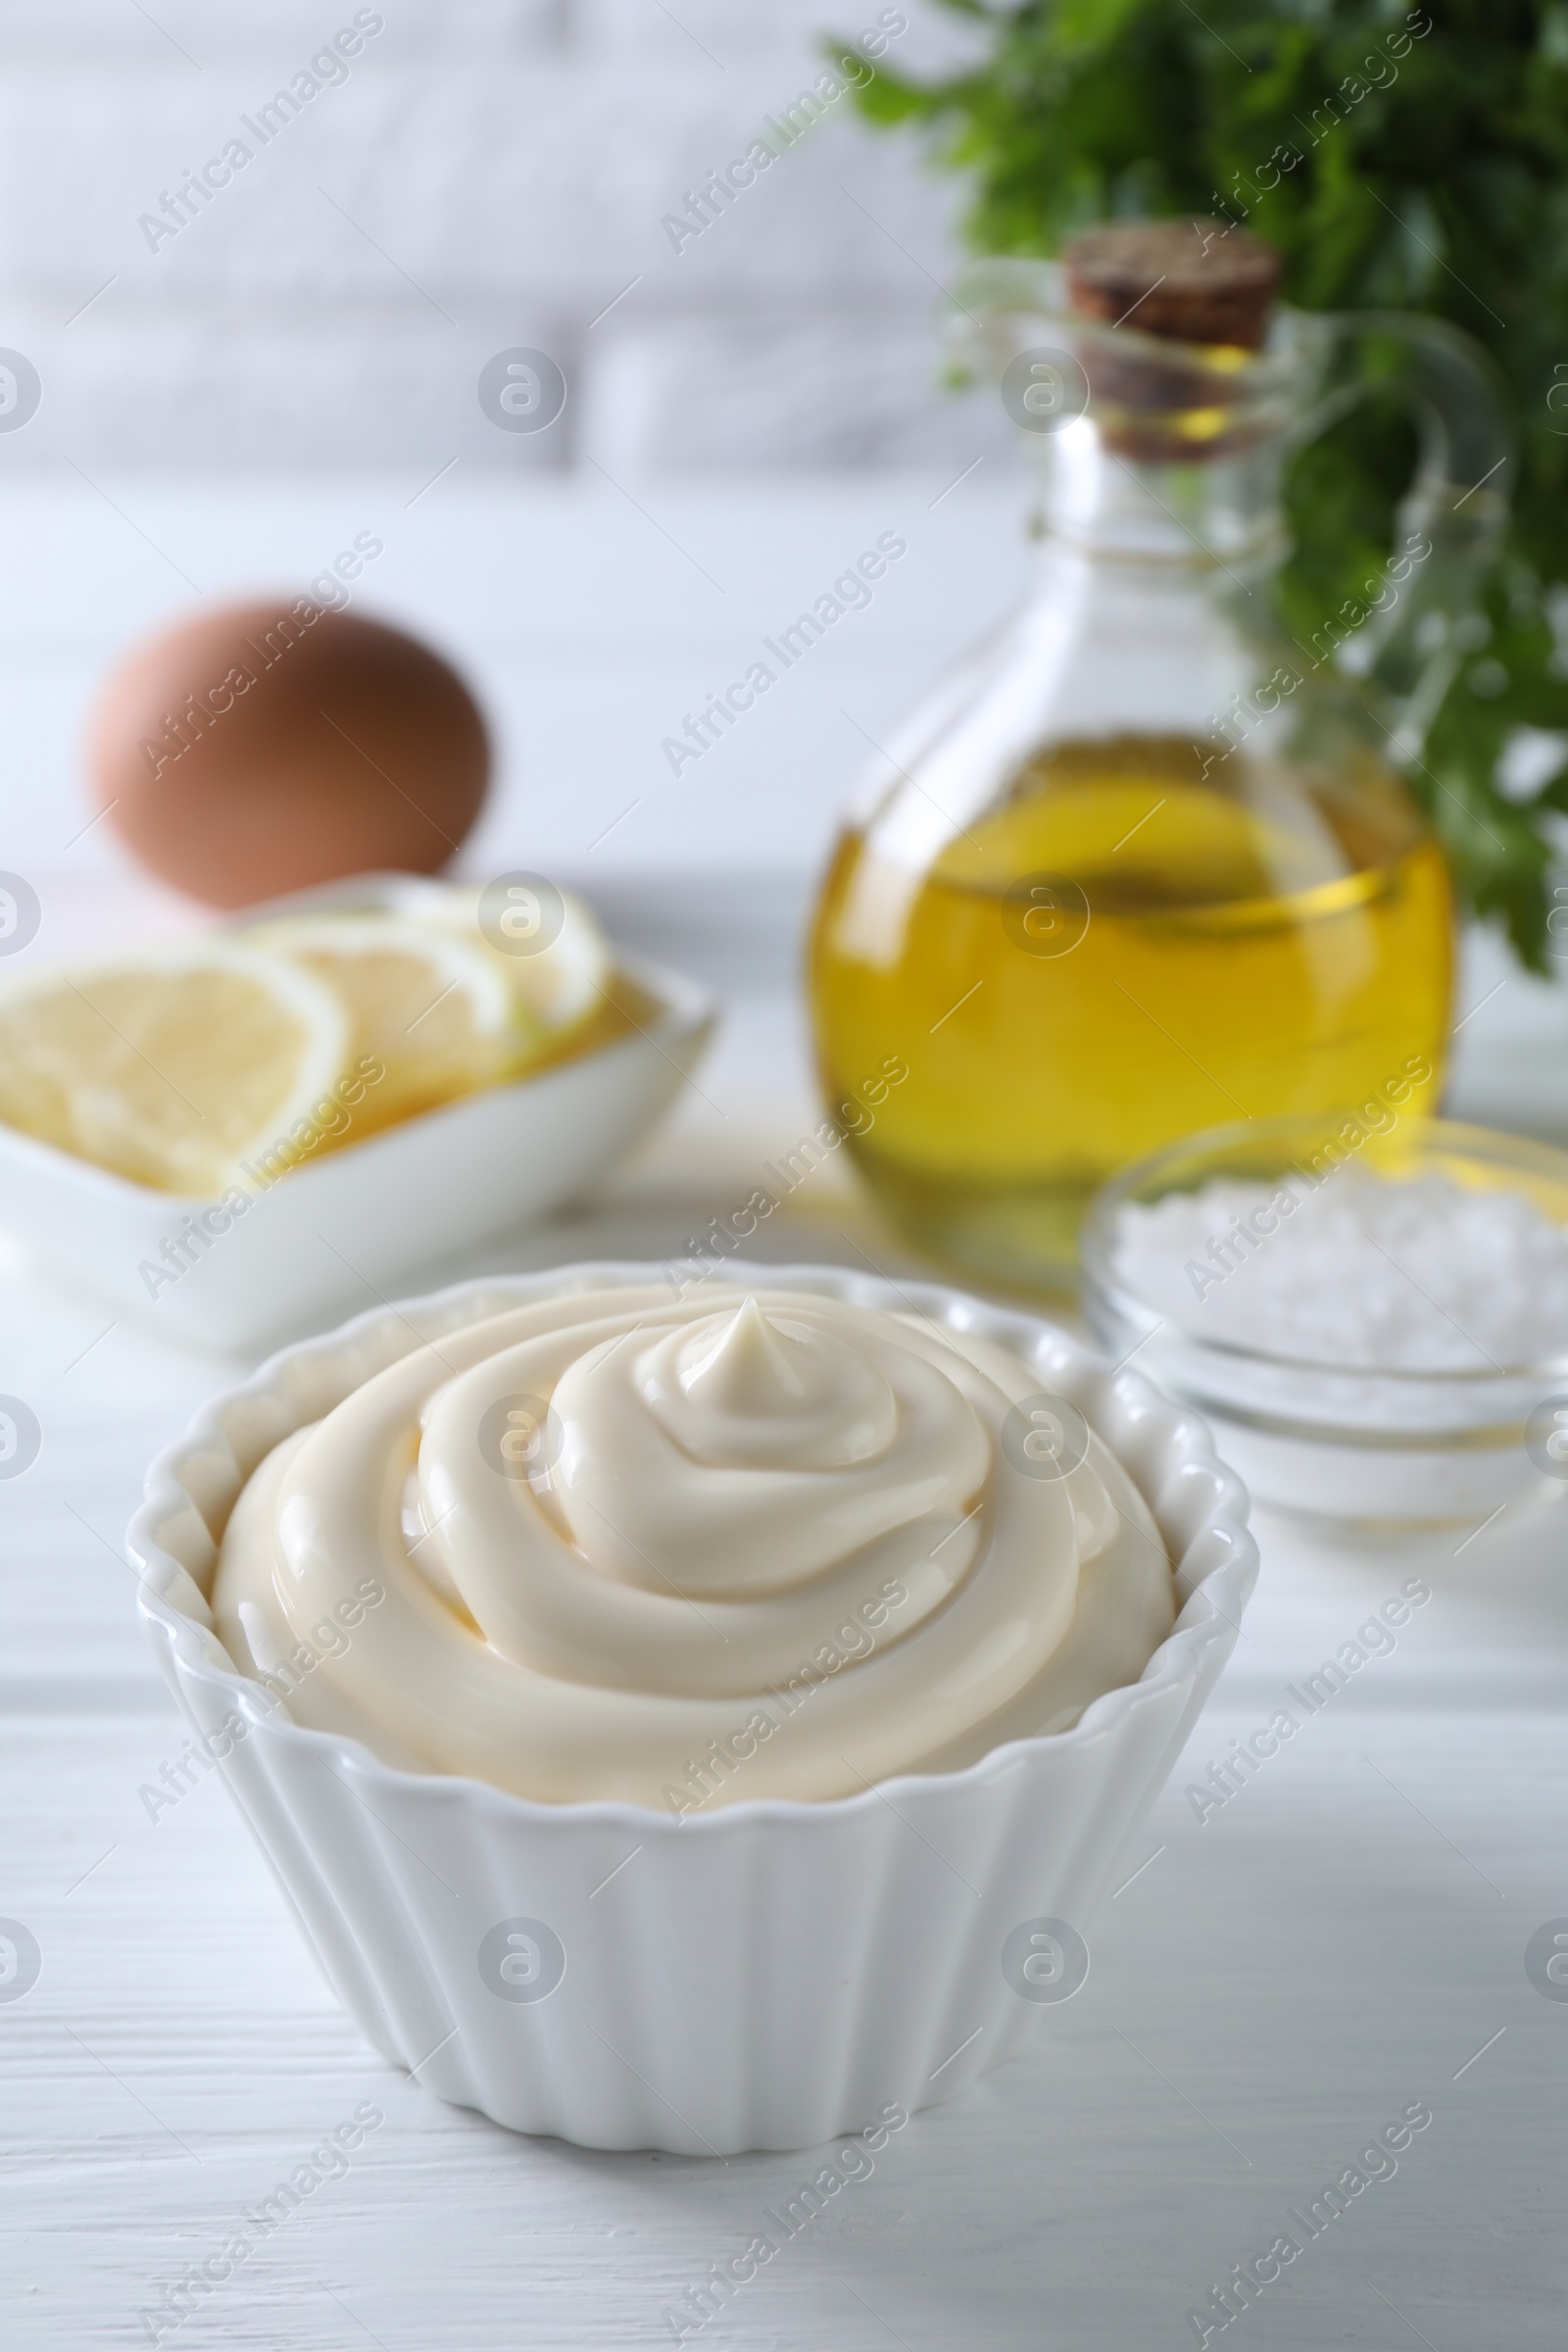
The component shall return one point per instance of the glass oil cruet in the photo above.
(1143, 863)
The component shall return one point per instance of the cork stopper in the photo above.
(1192, 282)
(1206, 291)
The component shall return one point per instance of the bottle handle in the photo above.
(1405, 638)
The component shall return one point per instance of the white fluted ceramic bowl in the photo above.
(768, 1976)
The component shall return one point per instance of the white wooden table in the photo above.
(1271, 1985)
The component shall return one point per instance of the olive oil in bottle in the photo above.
(1143, 862)
(1124, 950)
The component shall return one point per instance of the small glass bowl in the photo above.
(1328, 1440)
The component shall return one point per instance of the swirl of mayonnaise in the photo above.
(684, 1553)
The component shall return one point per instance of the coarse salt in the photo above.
(1359, 1271)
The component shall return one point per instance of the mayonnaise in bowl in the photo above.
(686, 1553)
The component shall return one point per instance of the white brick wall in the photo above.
(491, 173)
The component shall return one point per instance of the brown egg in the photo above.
(262, 748)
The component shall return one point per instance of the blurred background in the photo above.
(228, 403)
(243, 374)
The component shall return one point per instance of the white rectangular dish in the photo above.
(335, 1232)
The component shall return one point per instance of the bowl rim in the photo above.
(1495, 1147)
(1210, 1608)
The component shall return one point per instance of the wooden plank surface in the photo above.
(1338, 1941)
(1279, 1983)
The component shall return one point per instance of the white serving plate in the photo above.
(333, 1232)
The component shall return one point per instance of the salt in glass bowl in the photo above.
(1335, 1440)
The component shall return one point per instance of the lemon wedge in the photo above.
(429, 1009)
(554, 988)
(174, 1065)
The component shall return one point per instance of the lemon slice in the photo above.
(171, 1065)
(430, 1010)
(554, 988)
